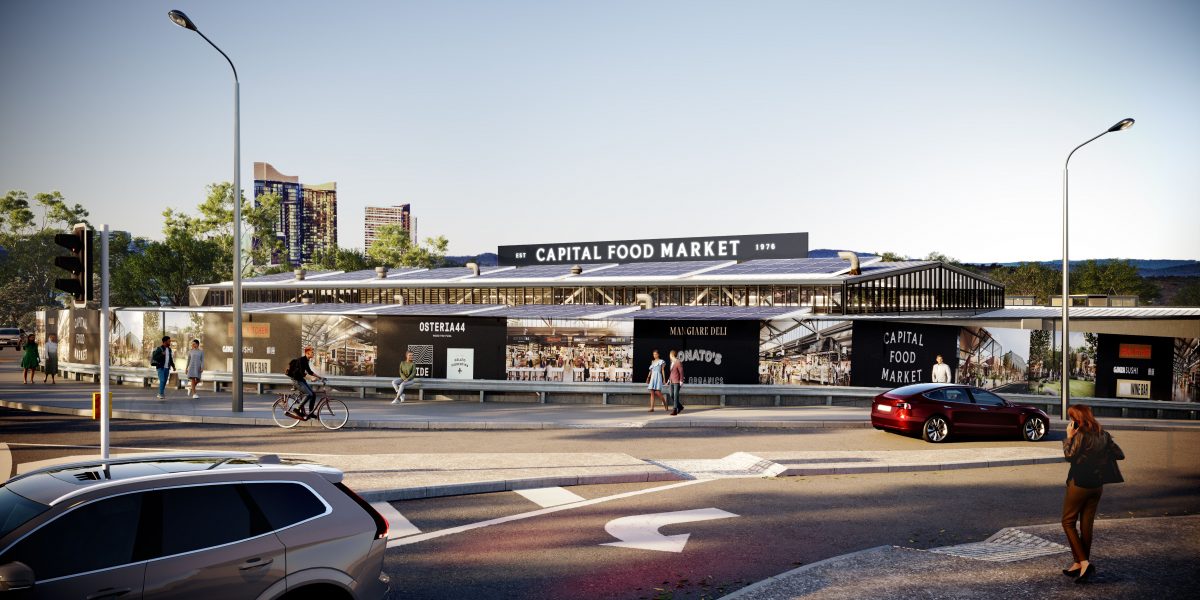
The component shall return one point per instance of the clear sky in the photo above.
(909, 127)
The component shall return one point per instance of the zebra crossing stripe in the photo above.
(551, 496)
(398, 526)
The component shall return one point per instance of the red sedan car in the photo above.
(939, 410)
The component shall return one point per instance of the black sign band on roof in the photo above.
(726, 247)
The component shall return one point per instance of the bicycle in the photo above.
(331, 412)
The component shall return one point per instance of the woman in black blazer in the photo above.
(1090, 450)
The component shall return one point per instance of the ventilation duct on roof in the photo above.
(299, 273)
(381, 272)
(645, 301)
(474, 267)
(853, 258)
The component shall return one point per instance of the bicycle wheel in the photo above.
(333, 414)
(279, 413)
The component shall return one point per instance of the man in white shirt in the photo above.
(941, 371)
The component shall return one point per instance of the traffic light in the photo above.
(79, 263)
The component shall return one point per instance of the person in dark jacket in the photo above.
(299, 377)
(163, 360)
(1089, 449)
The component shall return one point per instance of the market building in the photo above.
(739, 310)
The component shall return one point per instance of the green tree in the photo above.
(891, 257)
(394, 248)
(27, 270)
(159, 273)
(56, 212)
(15, 215)
(340, 259)
(1113, 278)
(1028, 279)
(1039, 350)
(214, 222)
(1188, 295)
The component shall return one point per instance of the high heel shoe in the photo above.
(1071, 572)
(1086, 574)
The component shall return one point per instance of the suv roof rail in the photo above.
(134, 458)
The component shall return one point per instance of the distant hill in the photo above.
(827, 253)
(487, 259)
(1146, 267)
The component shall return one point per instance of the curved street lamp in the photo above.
(183, 21)
(1064, 375)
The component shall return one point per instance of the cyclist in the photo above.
(297, 370)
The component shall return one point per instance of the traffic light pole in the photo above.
(105, 401)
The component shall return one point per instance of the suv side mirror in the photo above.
(14, 577)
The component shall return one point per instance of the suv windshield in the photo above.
(15, 510)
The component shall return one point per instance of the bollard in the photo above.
(96, 406)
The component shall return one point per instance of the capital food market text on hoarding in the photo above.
(730, 247)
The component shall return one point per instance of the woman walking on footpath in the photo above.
(51, 368)
(654, 381)
(1092, 454)
(30, 361)
(195, 368)
(676, 380)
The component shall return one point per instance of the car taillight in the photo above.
(381, 524)
(904, 406)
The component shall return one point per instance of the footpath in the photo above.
(1131, 559)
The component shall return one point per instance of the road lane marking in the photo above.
(551, 496)
(641, 531)
(535, 513)
(398, 525)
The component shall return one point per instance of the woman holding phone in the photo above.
(1090, 450)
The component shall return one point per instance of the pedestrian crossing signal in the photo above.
(79, 263)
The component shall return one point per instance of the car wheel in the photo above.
(1034, 429)
(935, 430)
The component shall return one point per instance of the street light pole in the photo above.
(183, 21)
(1064, 374)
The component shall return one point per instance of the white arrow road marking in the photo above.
(398, 525)
(537, 513)
(551, 496)
(641, 531)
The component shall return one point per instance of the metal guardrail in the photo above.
(542, 392)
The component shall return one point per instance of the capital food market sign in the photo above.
(732, 247)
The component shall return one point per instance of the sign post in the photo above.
(105, 394)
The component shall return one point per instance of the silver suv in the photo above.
(189, 525)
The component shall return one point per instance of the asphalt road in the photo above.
(780, 523)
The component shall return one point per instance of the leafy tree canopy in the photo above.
(394, 248)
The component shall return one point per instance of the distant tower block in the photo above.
(307, 221)
(378, 216)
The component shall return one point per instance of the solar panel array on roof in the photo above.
(401, 272)
(257, 306)
(785, 266)
(442, 273)
(351, 276)
(437, 309)
(534, 271)
(289, 275)
(296, 308)
(737, 313)
(655, 269)
(554, 311)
